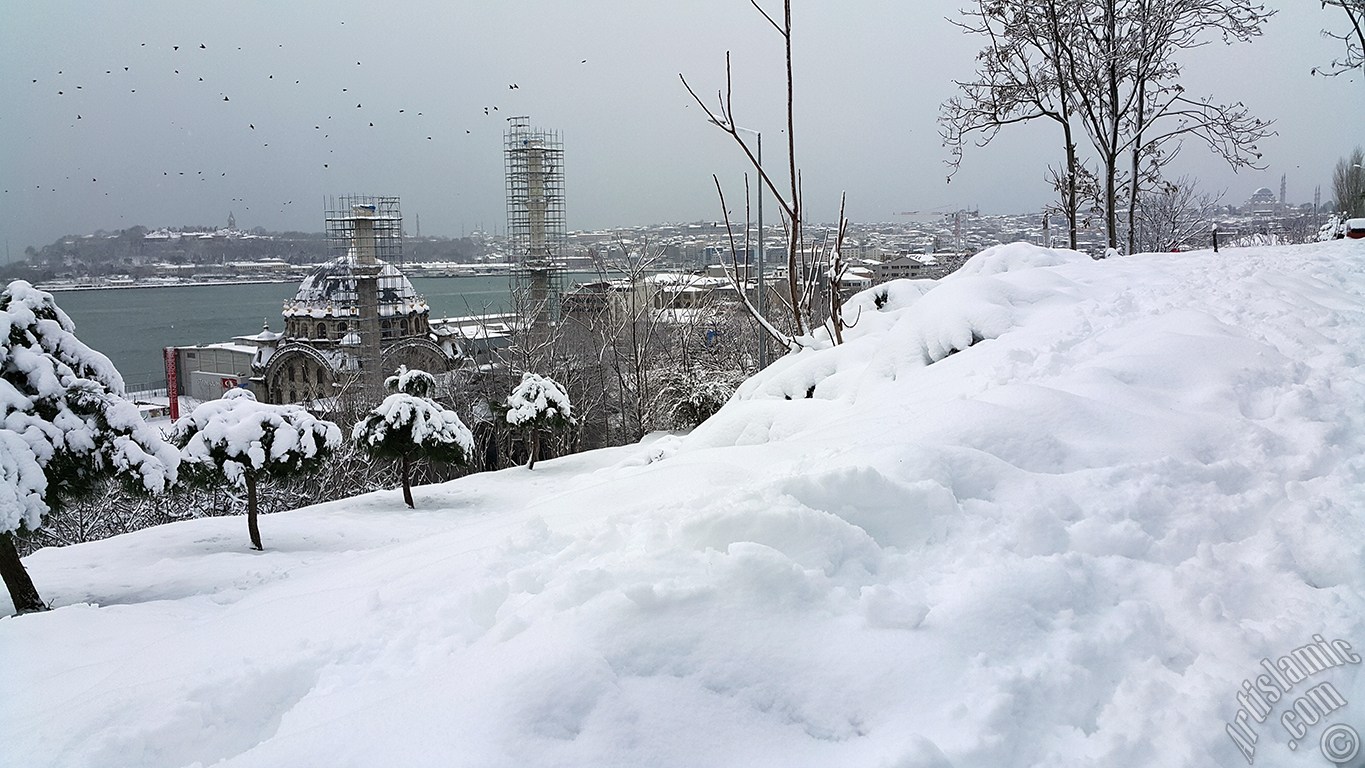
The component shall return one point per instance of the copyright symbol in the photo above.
(1340, 743)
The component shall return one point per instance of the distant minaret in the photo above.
(419, 225)
(1282, 180)
(232, 220)
(1317, 198)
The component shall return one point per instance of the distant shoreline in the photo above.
(60, 287)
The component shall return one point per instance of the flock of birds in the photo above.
(186, 64)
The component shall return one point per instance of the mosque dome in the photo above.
(329, 291)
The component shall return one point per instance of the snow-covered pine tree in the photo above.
(240, 440)
(65, 426)
(409, 424)
(538, 404)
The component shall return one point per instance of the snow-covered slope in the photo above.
(1047, 512)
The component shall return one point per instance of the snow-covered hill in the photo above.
(1047, 512)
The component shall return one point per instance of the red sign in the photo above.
(228, 382)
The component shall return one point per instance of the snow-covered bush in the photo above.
(538, 404)
(240, 440)
(686, 399)
(65, 426)
(409, 424)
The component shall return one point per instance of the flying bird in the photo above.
(513, 86)
(201, 45)
(225, 98)
(253, 126)
(175, 47)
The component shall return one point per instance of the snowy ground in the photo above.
(1066, 544)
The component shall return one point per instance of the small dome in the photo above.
(330, 291)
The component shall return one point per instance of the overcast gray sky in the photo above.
(117, 114)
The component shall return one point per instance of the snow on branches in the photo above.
(239, 439)
(410, 424)
(64, 416)
(238, 436)
(537, 403)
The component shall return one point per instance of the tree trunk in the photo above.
(21, 589)
(1072, 204)
(407, 482)
(251, 526)
(1111, 154)
(535, 449)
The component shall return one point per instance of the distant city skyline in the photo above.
(163, 114)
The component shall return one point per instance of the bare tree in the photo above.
(1112, 67)
(1353, 38)
(1130, 98)
(805, 268)
(1019, 78)
(1177, 216)
(1348, 184)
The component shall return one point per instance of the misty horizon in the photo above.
(160, 115)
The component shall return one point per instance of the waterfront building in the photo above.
(353, 321)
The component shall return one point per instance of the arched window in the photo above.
(322, 331)
(341, 327)
(403, 325)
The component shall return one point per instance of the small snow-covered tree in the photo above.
(240, 440)
(65, 426)
(409, 424)
(538, 404)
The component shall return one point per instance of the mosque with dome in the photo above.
(322, 345)
(353, 319)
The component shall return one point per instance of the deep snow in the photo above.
(1047, 511)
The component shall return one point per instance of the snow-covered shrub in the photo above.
(66, 425)
(409, 424)
(240, 440)
(686, 399)
(538, 404)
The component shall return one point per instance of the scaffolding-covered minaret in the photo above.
(536, 232)
(368, 232)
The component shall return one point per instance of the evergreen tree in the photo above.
(65, 426)
(409, 424)
(240, 440)
(538, 404)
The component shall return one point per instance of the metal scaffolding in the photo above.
(368, 226)
(536, 232)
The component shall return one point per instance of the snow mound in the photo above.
(1072, 542)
